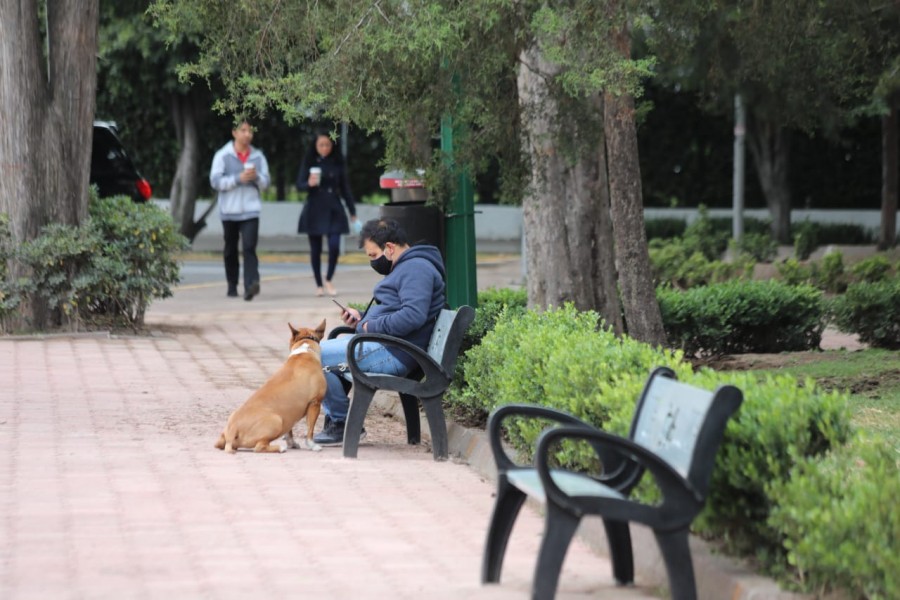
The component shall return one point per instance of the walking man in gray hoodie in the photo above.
(239, 173)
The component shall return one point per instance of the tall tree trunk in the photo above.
(642, 315)
(770, 147)
(889, 153)
(46, 116)
(183, 194)
(568, 233)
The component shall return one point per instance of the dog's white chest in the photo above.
(301, 349)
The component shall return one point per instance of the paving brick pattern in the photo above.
(110, 486)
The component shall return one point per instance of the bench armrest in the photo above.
(676, 490)
(432, 371)
(501, 413)
(341, 330)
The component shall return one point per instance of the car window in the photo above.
(108, 154)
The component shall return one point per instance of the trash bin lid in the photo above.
(400, 179)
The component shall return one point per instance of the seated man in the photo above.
(405, 304)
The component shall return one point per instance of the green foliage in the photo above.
(742, 316)
(830, 276)
(794, 273)
(843, 233)
(871, 310)
(10, 294)
(561, 358)
(61, 264)
(675, 262)
(839, 520)
(491, 303)
(780, 423)
(872, 269)
(760, 246)
(105, 272)
(704, 237)
(806, 239)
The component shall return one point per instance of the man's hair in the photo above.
(382, 231)
(240, 120)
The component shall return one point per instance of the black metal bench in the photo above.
(426, 384)
(675, 433)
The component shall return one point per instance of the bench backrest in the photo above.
(447, 337)
(683, 424)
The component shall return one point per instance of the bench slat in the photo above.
(572, 484)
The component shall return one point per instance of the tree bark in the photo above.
(770, 147)
(183, 194)
(46, 118)
(568, 233)
(889, 151)
(642, 316)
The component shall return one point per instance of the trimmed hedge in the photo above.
(871, 310)
(737, 317)
(566, 359)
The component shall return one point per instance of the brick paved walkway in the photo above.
(110, 486)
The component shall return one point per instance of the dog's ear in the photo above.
(320, 330)
(293, 331)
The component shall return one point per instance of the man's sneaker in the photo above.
(332, 435)
(232, 292)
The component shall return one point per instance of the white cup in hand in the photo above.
(315, 175)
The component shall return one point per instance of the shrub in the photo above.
(793, 273)
(673, 262)
(563, 359)
(61, 262)
(105, 272)
(491, 303)
(742, 316)
(806, 239)
(704, 237)
(843, 233)
(872, 269)
(780, 423)
(871, 310)
(10, 293)
(839, 519)
(830, 275)
(760, 246)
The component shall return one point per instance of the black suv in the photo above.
(111, 168)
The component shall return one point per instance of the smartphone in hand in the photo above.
(341, 306)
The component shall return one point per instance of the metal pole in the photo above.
(459, 228)
(740, 131)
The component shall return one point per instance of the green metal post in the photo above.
(459, 229)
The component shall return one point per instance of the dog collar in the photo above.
(301, 349)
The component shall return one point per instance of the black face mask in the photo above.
(381, 265)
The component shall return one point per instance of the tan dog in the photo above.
(295, 390)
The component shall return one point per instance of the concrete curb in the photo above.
(718, 576)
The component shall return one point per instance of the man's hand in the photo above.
(350, 316)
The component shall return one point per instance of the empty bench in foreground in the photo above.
(675, 434)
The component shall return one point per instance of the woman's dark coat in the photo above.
(323, 212)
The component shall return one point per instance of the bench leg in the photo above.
(411, 414)
(509, 502)
(434, 410)
(559, 528)
(676, 553)
(618, 536)
(356, 416)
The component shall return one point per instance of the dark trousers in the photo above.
(248, 233)
(315, 255)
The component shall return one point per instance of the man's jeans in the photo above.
(371, 357)
(248, 232)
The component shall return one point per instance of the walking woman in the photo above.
(324, 176)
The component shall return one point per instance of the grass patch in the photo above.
(872, 377)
